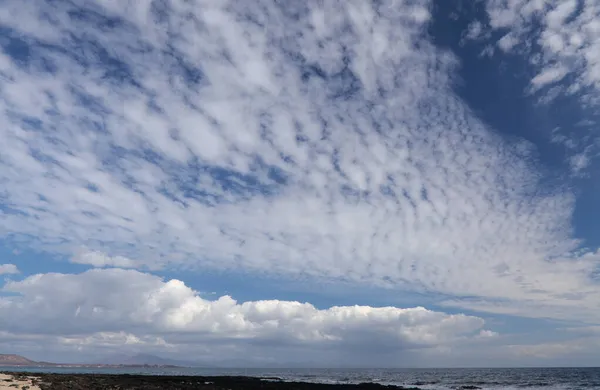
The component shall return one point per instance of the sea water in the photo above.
(429, 379)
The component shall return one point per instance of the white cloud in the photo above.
(100, 260)
(507, 42)
(555, 349)
(548, 76)
(593, 330)
(112, 307)
(329, 145)
(579, 162)
(8, 269)
(565, 32)
(486, 334)
(561, 41)
(571, 346)
(475, 30)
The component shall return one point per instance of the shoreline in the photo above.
(63, 381)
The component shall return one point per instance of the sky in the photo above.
(392, 183)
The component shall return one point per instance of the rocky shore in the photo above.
(47, 381)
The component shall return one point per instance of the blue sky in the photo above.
(403, 182)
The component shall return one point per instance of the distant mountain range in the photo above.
(139, 360)
(145, 359)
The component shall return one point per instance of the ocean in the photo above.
(429, 379)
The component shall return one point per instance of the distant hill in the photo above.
(12, 360)
(141, 359)
(16, 360)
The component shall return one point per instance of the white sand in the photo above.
(7, 380)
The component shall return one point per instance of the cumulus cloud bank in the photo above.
(113, 307)
(318, 139)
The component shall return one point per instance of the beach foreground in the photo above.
(49, 381)
(11, 382)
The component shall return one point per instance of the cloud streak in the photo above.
(101, 260)
(319, 140)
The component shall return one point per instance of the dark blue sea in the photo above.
(431, 379)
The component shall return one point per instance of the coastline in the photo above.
(62, 381)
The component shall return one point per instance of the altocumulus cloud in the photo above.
(115, 307)
(561, 38)
(311, 139)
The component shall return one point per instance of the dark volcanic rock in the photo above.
(155, 382)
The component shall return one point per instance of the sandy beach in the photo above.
(12, 382)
